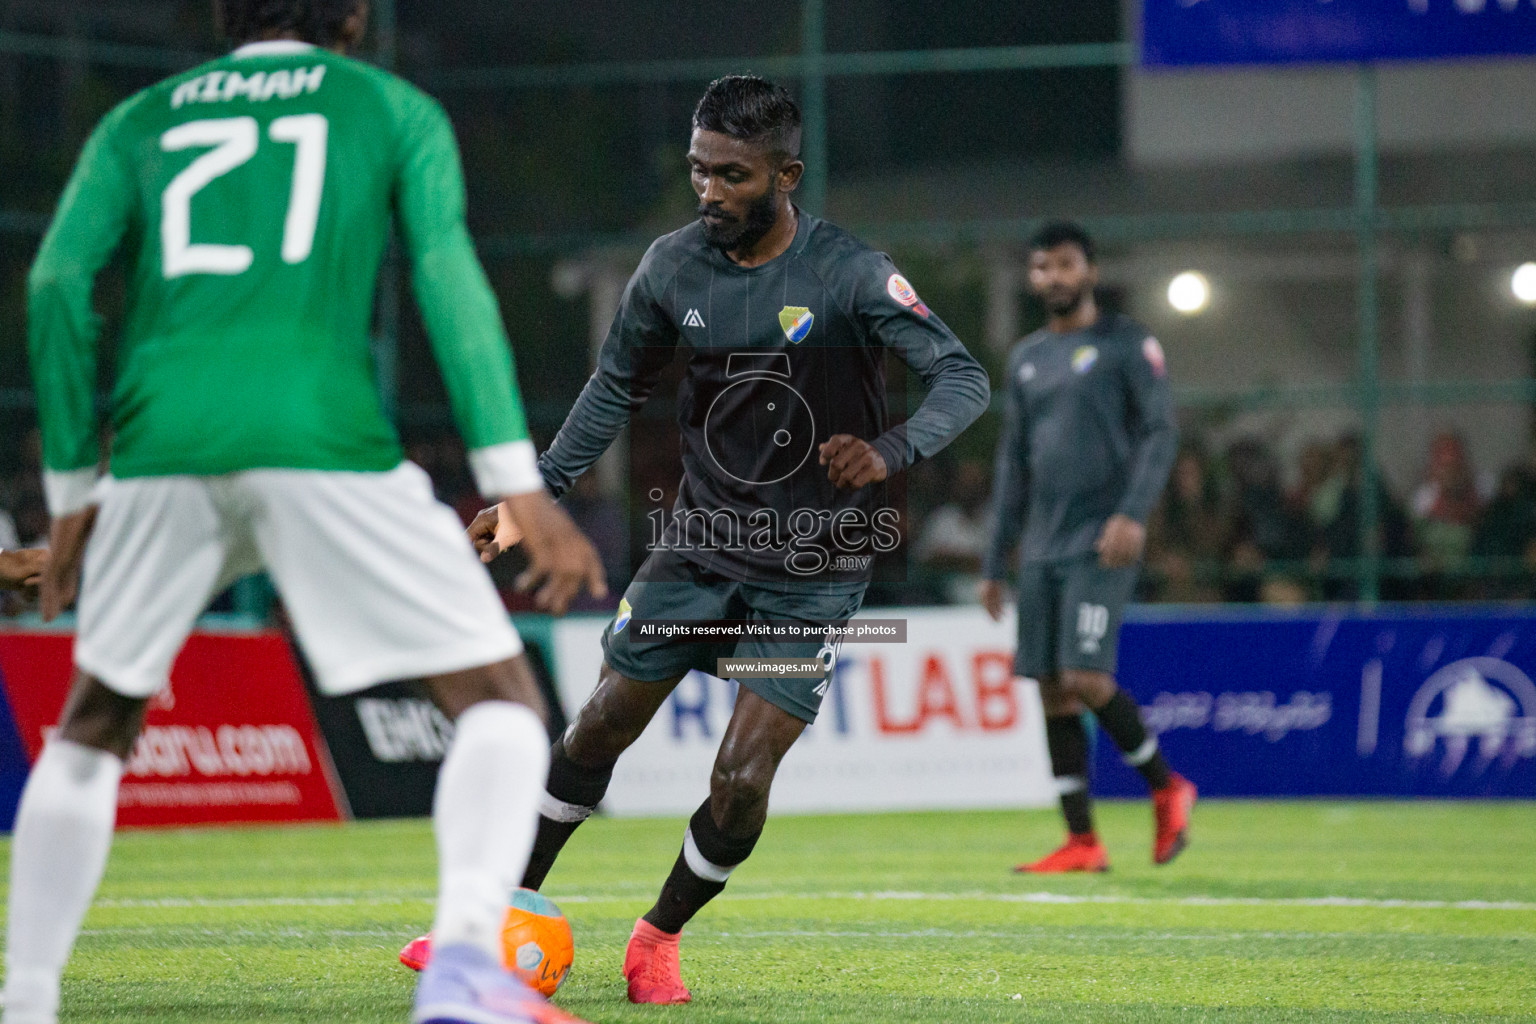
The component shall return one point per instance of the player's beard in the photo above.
(1065, 304)
(741, 233)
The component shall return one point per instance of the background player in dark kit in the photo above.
(1088, 440)
(753, 278)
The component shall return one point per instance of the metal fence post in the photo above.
(813, 85)
(1368, 327)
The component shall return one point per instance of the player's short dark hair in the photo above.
(314, 21)
(753, 110)
(1063, 232)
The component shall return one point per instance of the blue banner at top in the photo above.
(1179, 33)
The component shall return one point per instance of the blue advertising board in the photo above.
(1179, 33)
(1399, 703)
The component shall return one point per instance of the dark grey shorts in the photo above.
(1069, 615)
(668, 586)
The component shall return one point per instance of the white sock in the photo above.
(63, 834)
(485, 813)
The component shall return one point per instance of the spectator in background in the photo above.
(954, 535)
(1313, 498)
(1506, 532)
(1185, 534)
(1446, 505)
(1263, 529)
(1336, 519)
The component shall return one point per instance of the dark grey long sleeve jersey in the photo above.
(780, 358)
(1088, 431)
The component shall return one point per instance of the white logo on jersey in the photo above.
(693, 319)
(224, 86)
(1027, 372)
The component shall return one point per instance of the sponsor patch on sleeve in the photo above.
(901, 290)
(1154, 354)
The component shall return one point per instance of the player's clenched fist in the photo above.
(851, 463)
(990, 594)
(22, 568)
(1121, 542)
(561, 561)
(493, 532)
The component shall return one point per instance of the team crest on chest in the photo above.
(1084, 358)
(796, 321)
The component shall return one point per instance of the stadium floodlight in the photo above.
(1189, 293)
(1523, 283)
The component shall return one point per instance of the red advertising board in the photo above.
(231, 739)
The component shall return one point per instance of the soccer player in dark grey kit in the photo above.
(785, 320)
(1088, 440)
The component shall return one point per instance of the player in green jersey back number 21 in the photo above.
(253, 198)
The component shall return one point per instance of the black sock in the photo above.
(571, 795)
(685, 892)
(1067, 739)
(1121, 718)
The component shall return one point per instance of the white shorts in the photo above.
(378, 577)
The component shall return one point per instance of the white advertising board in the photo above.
(935, 723)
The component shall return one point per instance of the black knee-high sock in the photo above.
(708, 857)
(570, 796)
(1121, 718)
(1067, 739)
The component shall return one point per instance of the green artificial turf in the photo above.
(1309, 912)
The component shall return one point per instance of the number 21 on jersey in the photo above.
(234, 141)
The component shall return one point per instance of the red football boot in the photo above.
(1171, 806)
(1079, 853)
(652, 968)
(417, 952)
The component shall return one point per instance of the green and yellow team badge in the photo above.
(796, 321)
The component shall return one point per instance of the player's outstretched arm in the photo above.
(638, 347)
(958, 390)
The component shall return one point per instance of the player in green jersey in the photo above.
(253, 196)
